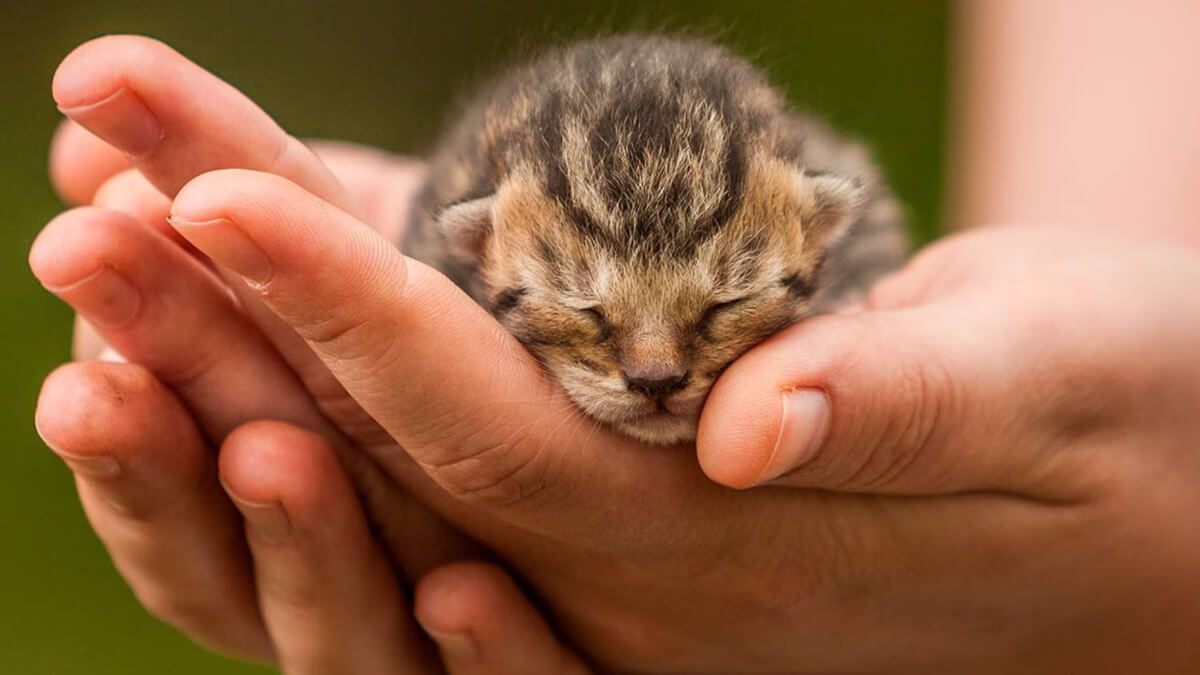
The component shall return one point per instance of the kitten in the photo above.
(639, 211)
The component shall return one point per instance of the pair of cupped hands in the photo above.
(312, 444)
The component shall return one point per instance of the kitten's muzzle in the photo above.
(655, 385)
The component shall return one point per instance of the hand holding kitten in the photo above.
(143, 436)
(942, 393)
(697, 577)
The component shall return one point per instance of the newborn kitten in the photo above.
(641, 210)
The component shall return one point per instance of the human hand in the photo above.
(170, 528)
(162, 308)
(701, 578)
(974, 511)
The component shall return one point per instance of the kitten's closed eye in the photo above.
(506, 300)
(798, 285)
(603, 326)
(704, 324)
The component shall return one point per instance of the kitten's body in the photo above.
(639, 211)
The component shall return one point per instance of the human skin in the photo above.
(274, 589)
(1078, 112)
(958, 442)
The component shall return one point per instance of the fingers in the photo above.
(412, 349)
(890, 402)
(484, 625)
(156, 305)
(143, 472)
(328, 595)
(129, 192)
(382, 184)
(80, 161)
(176, 120)
(159, 307)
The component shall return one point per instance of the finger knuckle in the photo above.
(922, 397)
(194, 374)
(122, 514)
(343, 410)
(185, 612)
(288, 594)
(345, 339)
(288, 155)
(490, 468)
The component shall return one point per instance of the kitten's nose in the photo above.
(655, 383)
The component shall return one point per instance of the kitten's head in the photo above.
(636, 321)
(641, 211)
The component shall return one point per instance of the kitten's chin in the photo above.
(661, 428)
(674, 421)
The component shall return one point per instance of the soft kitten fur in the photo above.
(641, 210)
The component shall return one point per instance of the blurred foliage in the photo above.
(379, 73)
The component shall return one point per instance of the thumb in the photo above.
(930, 400)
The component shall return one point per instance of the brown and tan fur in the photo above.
(641, 210)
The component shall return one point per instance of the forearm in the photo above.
(1080, 113)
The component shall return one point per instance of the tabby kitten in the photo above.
(641, 210)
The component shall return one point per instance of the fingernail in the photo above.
(806, 415)
(458, 647)
(266, 519)
(105, 297)
(227, 245)
(122, 119)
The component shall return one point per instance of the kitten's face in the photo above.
(637, 338)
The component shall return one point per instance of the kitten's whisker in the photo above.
(549, 398)
(554, 433)
(568, 406)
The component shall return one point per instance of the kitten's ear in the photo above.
(467, 225)
(829, 203)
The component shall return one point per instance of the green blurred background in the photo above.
(380, 73)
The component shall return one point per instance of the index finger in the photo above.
(175, 120)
